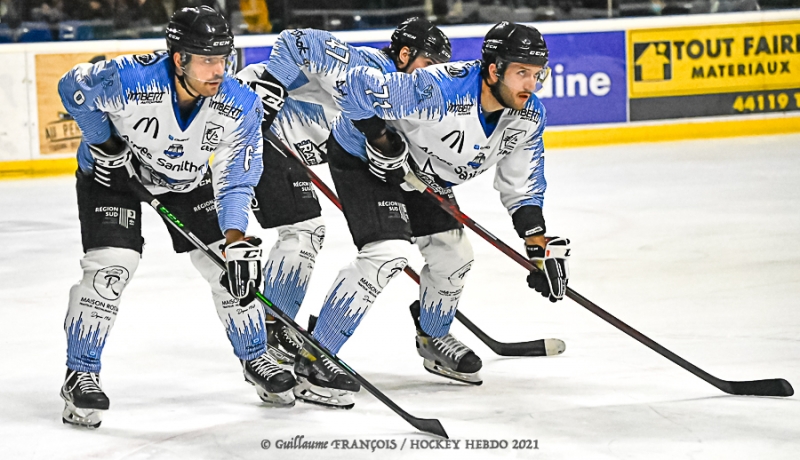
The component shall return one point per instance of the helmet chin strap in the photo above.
(182, 81)
(495, 90)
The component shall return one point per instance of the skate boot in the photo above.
(283, 343)
(273, 384)
(447, 356)
(84, 399)
(320, 381)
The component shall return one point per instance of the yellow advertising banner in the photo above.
(713, 59)
(58, 132)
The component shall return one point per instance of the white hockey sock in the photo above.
(244, 325)
(291, 262)
(448, 256)
(356, 288)
(94, 302)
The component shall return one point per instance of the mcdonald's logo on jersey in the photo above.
(652, 61)
(147, 121)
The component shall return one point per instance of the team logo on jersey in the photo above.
(174, 151)
(211, 137)
(146, 122)
(460, 109)
(426, 93)
(78, 97)
(456, 71)
(108, 282)
(145, 59)
(477, 162)
(510, 138)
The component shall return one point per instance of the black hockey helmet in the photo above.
(509, 42)
(423, 38)
(200, 30)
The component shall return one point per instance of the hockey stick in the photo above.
(432, 426)
(532, 348)
(767, 387)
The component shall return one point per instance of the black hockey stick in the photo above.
(767, 387)
(532, 348)
(432, 426)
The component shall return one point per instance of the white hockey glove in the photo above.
(112, 163)
(243, 261)
(553, 262)
(390, 167)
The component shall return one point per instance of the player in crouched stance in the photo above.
(447, 123)
(158, 118)
(298, 86)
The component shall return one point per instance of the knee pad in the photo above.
(107, 271)
(382, 261)
(448, 255)
(307, 234)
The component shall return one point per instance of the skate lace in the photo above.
(265, 367)
(88, 382)
(332, 367)
(291, 337)
(451, 346)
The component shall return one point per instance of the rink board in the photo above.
(613, 81)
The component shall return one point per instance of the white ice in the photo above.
(695, 244)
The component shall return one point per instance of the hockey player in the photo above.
(161, 116)
(306, 70)
(449, 123)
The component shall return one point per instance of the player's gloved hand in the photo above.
(243, 261)
(553, 262)
(269, 89)
(112, 163)
(390, 164)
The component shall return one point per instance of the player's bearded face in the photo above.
(517, 84)
(204, 74)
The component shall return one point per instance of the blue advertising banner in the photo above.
(588, 81)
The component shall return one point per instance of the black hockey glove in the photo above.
(271, 92)
(390, 166)
(112, 163)
(553, 262)
(243, 261)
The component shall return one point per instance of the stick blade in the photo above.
(541, 347)
(767, 387)
(429, 425)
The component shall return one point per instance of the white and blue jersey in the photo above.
(134, 97)
(437, 109)
(311, 64)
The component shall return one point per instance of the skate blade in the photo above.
(284, 399)
(328, 397)
(86, 418)
(554, 347)
(284, 359)
(433, 368)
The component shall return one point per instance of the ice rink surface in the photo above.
(695, 244)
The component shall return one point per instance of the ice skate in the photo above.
(84, 399)
(273, 384)
(320, 381)
(447, 356)
(283, 343)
